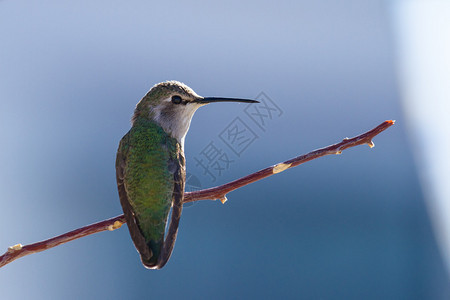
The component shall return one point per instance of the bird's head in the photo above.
(172, 104)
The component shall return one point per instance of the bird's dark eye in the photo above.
(176, 99)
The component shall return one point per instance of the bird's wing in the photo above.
(177, 165)
(133, 226)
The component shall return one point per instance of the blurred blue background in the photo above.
(353, 226)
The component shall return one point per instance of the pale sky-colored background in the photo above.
(353, 226)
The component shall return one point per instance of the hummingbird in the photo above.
(151, 170)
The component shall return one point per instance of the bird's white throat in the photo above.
(176, 120)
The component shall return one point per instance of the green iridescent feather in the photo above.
(147, 152)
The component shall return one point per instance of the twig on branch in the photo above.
(218, 192)
(18, 251)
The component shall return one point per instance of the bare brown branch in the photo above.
(219, 192)
(18, 251)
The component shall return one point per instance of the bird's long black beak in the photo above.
(220, 99)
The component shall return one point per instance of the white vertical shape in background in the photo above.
(422, 34)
